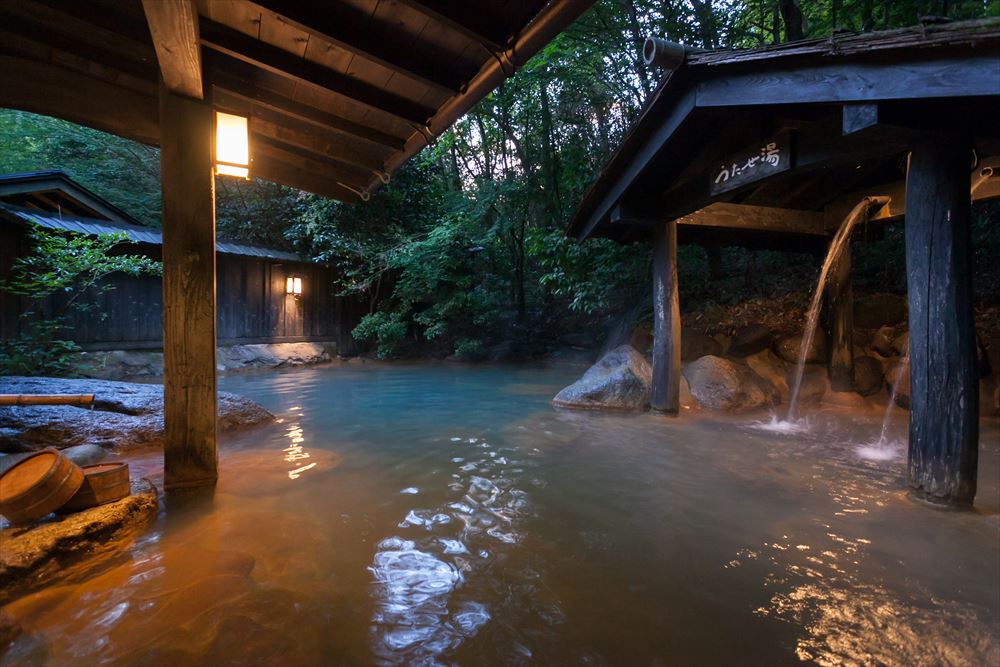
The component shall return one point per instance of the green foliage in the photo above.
(60, 270)
(386, 328)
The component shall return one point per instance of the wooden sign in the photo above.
(769, 157)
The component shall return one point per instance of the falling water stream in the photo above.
(840, 241)
(442, 514)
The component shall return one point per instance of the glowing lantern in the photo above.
(232, 145)
(293, 285)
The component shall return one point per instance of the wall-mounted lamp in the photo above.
(293, 285)
(232, 145)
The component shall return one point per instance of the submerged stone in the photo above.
(125, 415)
(621, 380)
(44, 553)
(720, 384)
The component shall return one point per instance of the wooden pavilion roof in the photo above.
(339, 94)
(847, 108)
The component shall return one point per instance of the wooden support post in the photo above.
(840, 306)
(944, 390)
(666, 321)
(189, 391)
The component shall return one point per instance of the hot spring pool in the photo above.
(441, 514)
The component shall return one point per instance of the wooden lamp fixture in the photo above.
(232, 145)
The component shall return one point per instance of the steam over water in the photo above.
(447, 515)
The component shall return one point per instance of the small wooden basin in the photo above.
(103, 483)
(38, 485)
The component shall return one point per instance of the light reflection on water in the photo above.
(450, 516)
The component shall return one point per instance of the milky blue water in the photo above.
(445, 514)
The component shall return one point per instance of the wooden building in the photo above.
(254, 305)
(774, 146)
(338, 96)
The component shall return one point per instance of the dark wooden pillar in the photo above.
(666, 321)
(944, 390)
(189, 392)
(840, 307)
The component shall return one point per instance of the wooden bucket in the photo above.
(38, 485)
(103, 483)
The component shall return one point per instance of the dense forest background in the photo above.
(464, 251)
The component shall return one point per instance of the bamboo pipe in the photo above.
(46, 399)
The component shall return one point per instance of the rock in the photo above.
(770, 367)
(789, 348)
(844, 399)
(750, 339)
(899, 373)
(42, 554)
(882, 341)
(10, 630)
(642, 338)
(720, 384)
(901, 344)
(876, 310)
(815, 384)
(619, 381)
(148, 364)
(85, 455)
(868, 375)
(125, 415)
(695, 345)
(687, 399)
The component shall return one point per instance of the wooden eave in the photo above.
(915, 81)
(338, 97)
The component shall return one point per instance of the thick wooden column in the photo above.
(840, 307)
(189, 392)
(666, 321)
(944, 390)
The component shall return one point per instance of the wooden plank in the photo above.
(760, 160)
(174, 27)
(335, 24)
(840, 306)
(759, 218)
(78, 98)
(260, 54)
(857, 117)
(317, 142)
(272, 169)
(665, 396)
(306, 160)
(969, 75)
(233, 89)
(944, 385)
(463, 22)
(189, 382)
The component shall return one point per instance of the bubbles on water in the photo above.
(410, 491)
(881, 451)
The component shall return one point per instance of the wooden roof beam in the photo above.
(174, 27)
(278, 171)
(759, 218)
(235, 87)
(278, 61)
(325, 145)
(435, 10)
(334, 24)
(307, 160)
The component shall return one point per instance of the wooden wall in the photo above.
(252, 304)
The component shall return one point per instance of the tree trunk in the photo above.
(793, 19)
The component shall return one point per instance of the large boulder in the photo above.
(882, 341)
(770, 367)
(877, 310)
(125, 415)
(621, 380)
(695, 345)
(814, 386)
(868, 375)
(750, 339)
(790, 347)
(720, 384)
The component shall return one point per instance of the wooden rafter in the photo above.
(235, 87)
(174, 27)
(278, 61)
(333, 24)
(311, 138)
(302, 158)
(492, 40)
(758, 218)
